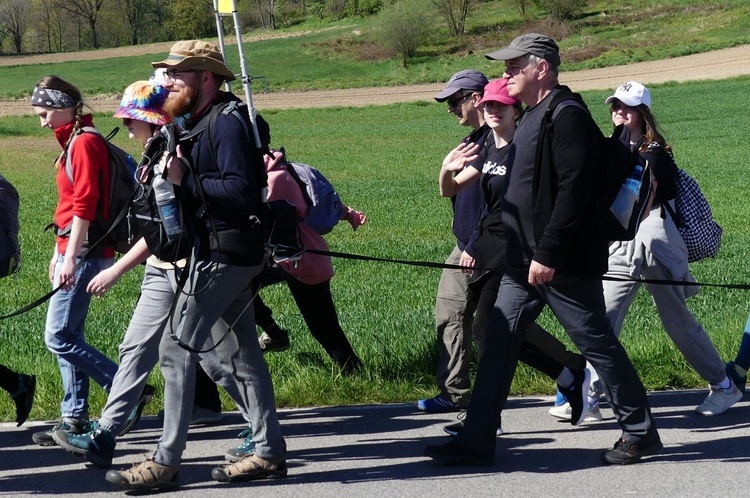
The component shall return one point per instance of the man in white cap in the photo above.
(454, 306)
(220, 174)
(556, 257)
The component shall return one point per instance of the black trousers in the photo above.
(578, 303)
(315, 303)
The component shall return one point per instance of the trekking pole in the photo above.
(227, 7)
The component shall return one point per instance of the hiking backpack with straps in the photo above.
(623, 181)
(146, 209)
(121, 232)
(10, 251)
(324, 204)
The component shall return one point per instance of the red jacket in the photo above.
(84, 197)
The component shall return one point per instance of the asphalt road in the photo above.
(367, 451)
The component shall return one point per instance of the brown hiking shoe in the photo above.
(250, 468)
(145, 475)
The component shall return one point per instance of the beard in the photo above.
(182, 102)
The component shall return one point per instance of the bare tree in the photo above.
(454, 12)
(137, 13)
(48, 25)
(14, 16)
(87, 11)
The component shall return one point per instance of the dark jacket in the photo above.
(565, 228)
(228, 168)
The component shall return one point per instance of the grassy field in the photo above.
(385, 160)
(344, 56)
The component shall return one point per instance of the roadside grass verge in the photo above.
(342, 54)
(385, 160)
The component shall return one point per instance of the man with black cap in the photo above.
(221, 176)
(454, 306)
(556, 257)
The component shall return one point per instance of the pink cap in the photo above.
(497, 91)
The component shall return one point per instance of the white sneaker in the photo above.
(563, 412)
(719, 400)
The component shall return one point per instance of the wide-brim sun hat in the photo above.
(143, 101)
(196, 55)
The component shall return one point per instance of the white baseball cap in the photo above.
(631, 94)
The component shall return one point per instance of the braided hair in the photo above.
(56, 83)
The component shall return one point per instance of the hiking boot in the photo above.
(437, 405)
(627, 452)
(246, 448)
(719, 400)
(24, 397)
(269, 345)
(145, 475)
(97, 445)
(453, 454)
(563, 412)
(135, 414)
(577, 395)
(738, 380)
(250, 468)
(453, 429)
(66, 424)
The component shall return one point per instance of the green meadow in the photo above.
(385, 160)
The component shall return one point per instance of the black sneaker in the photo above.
(269, 345)
(135, 414)
(627, 452)
(452, 453)
(577, 395)
(24, 397)
(453, 429)
(66, 424)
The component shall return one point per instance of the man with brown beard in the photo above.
(220, 172)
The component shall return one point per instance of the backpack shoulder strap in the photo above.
(68, 161)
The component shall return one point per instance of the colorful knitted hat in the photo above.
(143, 101)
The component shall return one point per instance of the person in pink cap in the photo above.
(487, 164)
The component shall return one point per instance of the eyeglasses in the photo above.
(454, 102)
(174, 74)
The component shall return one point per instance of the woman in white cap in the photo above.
(658, 252)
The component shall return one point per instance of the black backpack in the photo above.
(623, 182)
(145, 208)
(121, 233)
(10, 251)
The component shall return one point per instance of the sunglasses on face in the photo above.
(454, 102)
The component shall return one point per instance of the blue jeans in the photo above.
(64, 336)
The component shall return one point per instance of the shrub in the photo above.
(404, 26)
(563, 9)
